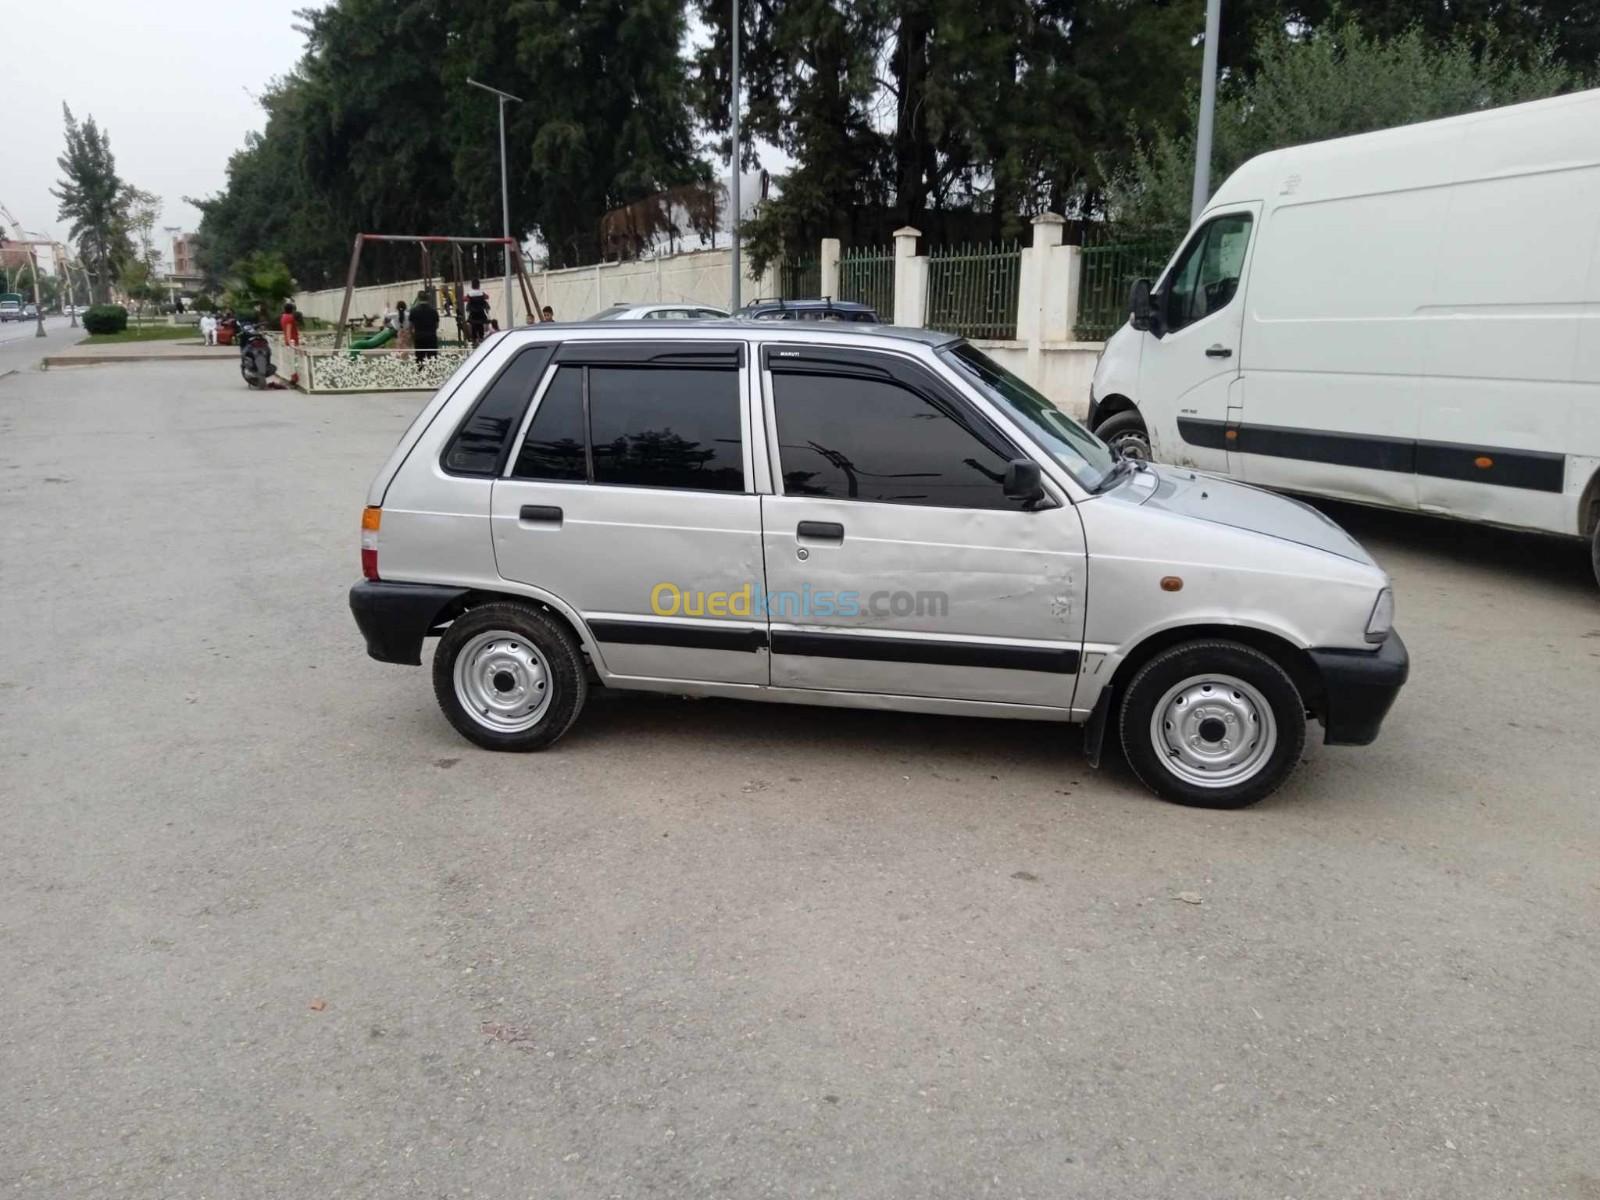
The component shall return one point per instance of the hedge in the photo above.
(106, 318)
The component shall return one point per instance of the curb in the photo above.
(92, 360)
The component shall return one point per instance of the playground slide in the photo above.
(382, 338)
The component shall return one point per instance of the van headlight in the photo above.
(1382, 619)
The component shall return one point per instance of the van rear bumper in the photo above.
(395, 617)
(1358, 687)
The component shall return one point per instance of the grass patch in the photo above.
(144, 333)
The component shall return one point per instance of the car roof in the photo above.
(743, 326)
(816, 302)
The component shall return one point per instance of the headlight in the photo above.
(1382, 619)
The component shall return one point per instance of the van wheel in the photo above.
(1594, 552)
(1125, 433)
(509, 677)
(1212, 724)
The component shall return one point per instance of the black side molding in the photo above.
(939, 653)
(395, 617)
(679, 633)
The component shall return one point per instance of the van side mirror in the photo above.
(1143, 312)
(1024, 482)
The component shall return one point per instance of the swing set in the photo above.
(425, 243)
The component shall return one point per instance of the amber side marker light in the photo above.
(1483, 462)
(370, 519)
(1171, 583)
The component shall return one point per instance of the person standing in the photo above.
(289, 322)
(547, 313)
(402, 326)
(477, 305)
(424, 330)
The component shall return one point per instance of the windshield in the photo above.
(1086, 457)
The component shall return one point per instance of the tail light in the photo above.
(370, 518)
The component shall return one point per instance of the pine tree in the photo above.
(95, 199)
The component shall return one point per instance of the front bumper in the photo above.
(1358, 686)
(395, 617)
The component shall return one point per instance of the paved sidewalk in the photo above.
(174, 350)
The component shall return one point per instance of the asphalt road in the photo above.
(269, 928)
(21, 347)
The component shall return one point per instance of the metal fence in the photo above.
(972, 290)
(1107, 274)
(866, 275)
(800, 279)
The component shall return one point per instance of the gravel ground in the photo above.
(268, 927)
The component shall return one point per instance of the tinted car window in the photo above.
(868, 439)
(554, 447)
(674, 427)
(479, 446)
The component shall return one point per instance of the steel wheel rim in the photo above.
(1133, 445)
(1214, 731)
(504, 681)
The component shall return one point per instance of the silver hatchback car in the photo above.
(859, 517)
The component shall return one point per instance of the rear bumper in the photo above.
(395, 617)
(1358, 686)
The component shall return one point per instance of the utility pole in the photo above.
(733, 181)
(505, 187)
(1208, 108)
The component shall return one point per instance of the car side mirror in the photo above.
(1143, 311)
(1024, 482)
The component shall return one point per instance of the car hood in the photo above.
(1204, 497)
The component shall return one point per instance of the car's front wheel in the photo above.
(1213, 724)
(1125, 433)
(509, 676)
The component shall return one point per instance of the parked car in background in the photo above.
(30, 312)
(1403, 318)
(10, 307)
(860, 517)
(659, 312)
(823, 309)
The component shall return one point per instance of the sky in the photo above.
(172, 81)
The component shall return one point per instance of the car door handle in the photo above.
(540, 514)
(1218, 352)
(828, 531)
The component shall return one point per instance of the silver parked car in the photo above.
(860, 517)
(659, 312)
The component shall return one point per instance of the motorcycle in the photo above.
(255, 355)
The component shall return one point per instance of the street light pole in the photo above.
(733, 181)
(1208, 108)
(505, 186)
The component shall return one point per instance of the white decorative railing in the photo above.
(323, 369)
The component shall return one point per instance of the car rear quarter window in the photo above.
(480, 446)
(667, 427)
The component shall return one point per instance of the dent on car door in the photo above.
(895, 562)
(629, 498)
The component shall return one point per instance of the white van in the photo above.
(1409, 318)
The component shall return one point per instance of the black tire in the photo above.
(252, 379)
(565, 677)
(1158, 767)
(1125, 433)
(1594, 552)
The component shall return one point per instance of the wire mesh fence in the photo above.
(972, 290)
(1106, 275)
(866, 275)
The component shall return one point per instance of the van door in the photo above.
(629, 497)
(1186, 374)
(895, 561)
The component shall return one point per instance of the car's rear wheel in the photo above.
(509, 676)
(1125, 433)
(1212, 724)
(1594, 552)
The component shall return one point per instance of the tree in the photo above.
(260, 278)
(1330, 82)
(94, 198)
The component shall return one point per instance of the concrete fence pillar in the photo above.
(1047, 286)
(828, 265)
(910, 279)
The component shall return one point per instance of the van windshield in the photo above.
(1086, 458)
